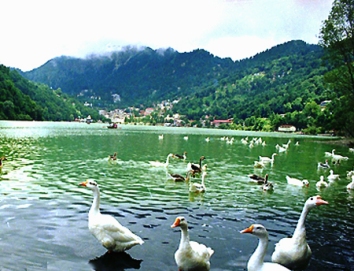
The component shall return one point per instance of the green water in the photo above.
(43, 211)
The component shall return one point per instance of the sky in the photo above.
(35, 31)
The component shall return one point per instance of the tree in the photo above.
(337, 38)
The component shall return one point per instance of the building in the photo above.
(217, 123)
(286, 128)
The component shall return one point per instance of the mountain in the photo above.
(282, 85)
(284, 79)
(133, 76)
(137, 76)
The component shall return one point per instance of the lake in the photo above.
(43, 211)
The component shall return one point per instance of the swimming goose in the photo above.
(350, 174)
(323, 165)
(256, 261)
(280, 148)
(268, 186)
(321, 183)
(350, 186)
(112, 157)
(179, 178)
(286, 146)
(185, 137)
(337, 158)
(258, 179)
(108, 231)
(195, 168)
(332, 177)
(198, 187)
(160, 137)
(294, 253)
(297, 182)
(161, 164)
(183, 156)
(329, 154)
(190, 255)
(265, 159)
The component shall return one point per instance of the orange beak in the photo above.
(320, 201)
(83, 183)
(248, 230)
(176, 223)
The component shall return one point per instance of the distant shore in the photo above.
(343, 141)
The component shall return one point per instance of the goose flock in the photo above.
(291, 253)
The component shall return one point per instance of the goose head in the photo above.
(181, 222)
(314, 202)
(257, 230)
(305, 183)
(90, 183)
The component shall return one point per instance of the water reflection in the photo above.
(115, 262)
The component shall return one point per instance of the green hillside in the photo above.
(21, 99)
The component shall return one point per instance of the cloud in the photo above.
(39, 30)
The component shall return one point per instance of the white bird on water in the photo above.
(161, 164)
(107, 230)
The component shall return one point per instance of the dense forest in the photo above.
(21, 99)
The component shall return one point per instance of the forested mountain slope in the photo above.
(21, 99)
(148, 76)
(281, 80)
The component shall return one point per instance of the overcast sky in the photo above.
(35, 31)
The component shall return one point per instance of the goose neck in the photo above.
(257, 257)
(300, 230)
(184, 238)
(95, 207)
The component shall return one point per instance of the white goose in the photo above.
(337, 157)
(286, 146)
(191, 255)
(265, 159)
(332, 177)
(321, 183)
(350, 186)
(329, 154)
(294, 252)
(108, 231)
(198, 187)
(297, 182)
(280, 148)
(161, 164)
(256, 262)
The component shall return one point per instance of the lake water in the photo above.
(43, 211)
